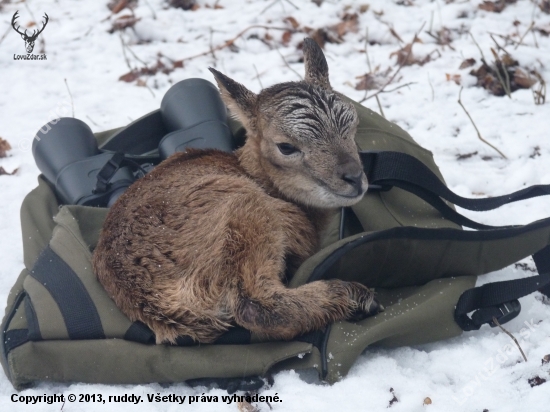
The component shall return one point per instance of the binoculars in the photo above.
(191, 115)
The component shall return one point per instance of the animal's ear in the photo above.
(316, 64)
(240, 101)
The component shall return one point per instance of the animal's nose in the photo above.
(354, 180)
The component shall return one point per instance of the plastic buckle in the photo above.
(508, 310)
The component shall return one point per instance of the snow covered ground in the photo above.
(474, 372)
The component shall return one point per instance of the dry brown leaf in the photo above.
(3, 172)
(495, 6)
(372, 81)
(546, 359)
(349, 23)
(117, 6)
(523, 79)
(363, 8)
(536, 381)
(467, 63)
(465, 155)
(544, 5)
(394, 34)
(123, 22)
(453, 77)
(405, 56)
(129, 77)
(4, 147)
(246, 407)
(544, 30)
(287, 35)
(292, 21)
(184, 4)
(394, 399)
(427, 401)
(507, 60)
(443, 37)
(505, 75)
(321, 36)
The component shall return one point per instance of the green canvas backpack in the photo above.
(404, 238)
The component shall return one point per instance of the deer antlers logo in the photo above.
(29, 40)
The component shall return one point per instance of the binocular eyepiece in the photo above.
(191, 115)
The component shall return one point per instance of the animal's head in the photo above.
(302, 134)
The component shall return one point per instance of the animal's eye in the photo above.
(286, 148)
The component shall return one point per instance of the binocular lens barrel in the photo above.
(66, 151)
(62, 143)
(196, 117)
(191, 102)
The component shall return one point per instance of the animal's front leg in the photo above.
(276, 312)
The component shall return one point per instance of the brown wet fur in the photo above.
(205, 241)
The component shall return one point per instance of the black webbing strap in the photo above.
(107, 172)
(542, 261)
(32, 320)
(139, 332)
(14, 338)
(66, 288)
(495, 299)
(387, 169)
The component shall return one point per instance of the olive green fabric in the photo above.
(418, 277)
(113, 361)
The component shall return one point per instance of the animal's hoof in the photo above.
(367, 305)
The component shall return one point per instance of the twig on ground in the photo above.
(391, 90)
(512, 336)
(288, 65)
(258, 76)
(382, 89)
(370, 71)
(70, 95)
(475, 127)
(499, 47)
(30, 12)
(92, 120)
(535, 39)
(431, 87)
(506, 38)
(479, 48)
(211, 47)
(525, 34)
(148, 88)
(505, 84)
(152, 10)
(539, 96)
(5, 34)
(132, 53)
(277, 1)
(230, 42)
(124, 52)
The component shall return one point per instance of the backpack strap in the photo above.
(387, 169)
(498, 299)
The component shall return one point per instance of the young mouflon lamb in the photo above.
(205, 241)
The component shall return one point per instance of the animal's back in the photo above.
(173, 244)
